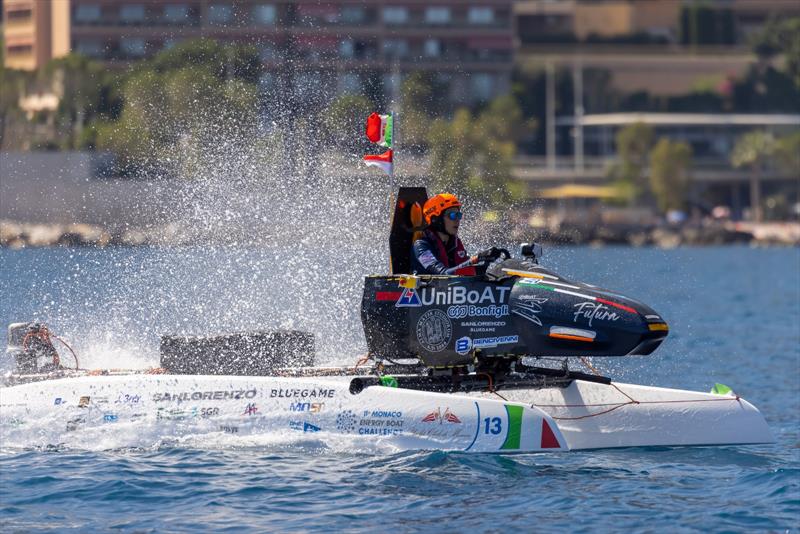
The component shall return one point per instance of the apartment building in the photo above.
(664, 47)
(339, 45)
(34, 32)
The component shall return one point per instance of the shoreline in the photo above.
(19, 235)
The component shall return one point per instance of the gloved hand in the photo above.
(488, 255)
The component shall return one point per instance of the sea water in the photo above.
(734, 315)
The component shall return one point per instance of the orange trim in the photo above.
(523, 274)
(574, 338)
(654, 327)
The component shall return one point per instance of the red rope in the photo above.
(44, 334)
(620, 405)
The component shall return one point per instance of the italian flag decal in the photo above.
(380, 129)
(382, 161)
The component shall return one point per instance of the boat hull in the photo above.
(582, 415)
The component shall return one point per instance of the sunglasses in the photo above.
(454, 215)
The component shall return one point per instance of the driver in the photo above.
(439, 250)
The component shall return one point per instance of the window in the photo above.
(264, 14)
(176, 13)
(267, 52)
(437, 15)
(353, 15)
(19, 15)
(395, 15)
(132, 47)
(395, 47)
(89, 47)
(347, 49)
(480, 15)
(87, 13)
(432, 48)
(19, 49)
(482, 86)
(220, 13)
(348, 83)
(131, 13)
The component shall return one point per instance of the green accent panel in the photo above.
(387, 138)
(388, 381)
(514, 427)
(720, 389)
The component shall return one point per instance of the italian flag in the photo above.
(382, 161)
(380, 129)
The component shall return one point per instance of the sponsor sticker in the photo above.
(408, 299)
(311, 407)
(593, 310)
(308, 393)
(84, 402)
(488, 342)
(452, 295)
(303, 426)
(463, 345)
(438, 417)
(234, 394)
(470, 310)
(530, 308)
(110, 418)
(125, 398)
(434, 330)
(346, 421)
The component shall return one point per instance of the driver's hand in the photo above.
(488, 255)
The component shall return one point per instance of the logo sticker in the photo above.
(346, 421)
(463, 345)
(446, 417)
(591, 311)
(408, 299)
(530, 308)
(303, 426)
(434, 330)
(494, 341)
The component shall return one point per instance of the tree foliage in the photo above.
(670, 163)
(343, 120)
(781, 37)
(754, 149)
(633, 146)
(191, 95)
(476, 153)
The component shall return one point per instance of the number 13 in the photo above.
(492, 425)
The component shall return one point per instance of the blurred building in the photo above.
(34, 32)
(330, 47)
(664, 47)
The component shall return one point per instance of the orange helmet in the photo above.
(435, 206)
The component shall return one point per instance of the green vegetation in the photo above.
(477, 151)
(633, 146)
(754, 150)
(670, 162)
(184, 98)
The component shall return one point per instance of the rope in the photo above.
(620, 405)
(361, 362)
(75, 356)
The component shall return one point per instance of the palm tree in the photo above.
(753, 150)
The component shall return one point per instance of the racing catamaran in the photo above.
(453, 363)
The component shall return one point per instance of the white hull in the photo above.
(584, 415)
